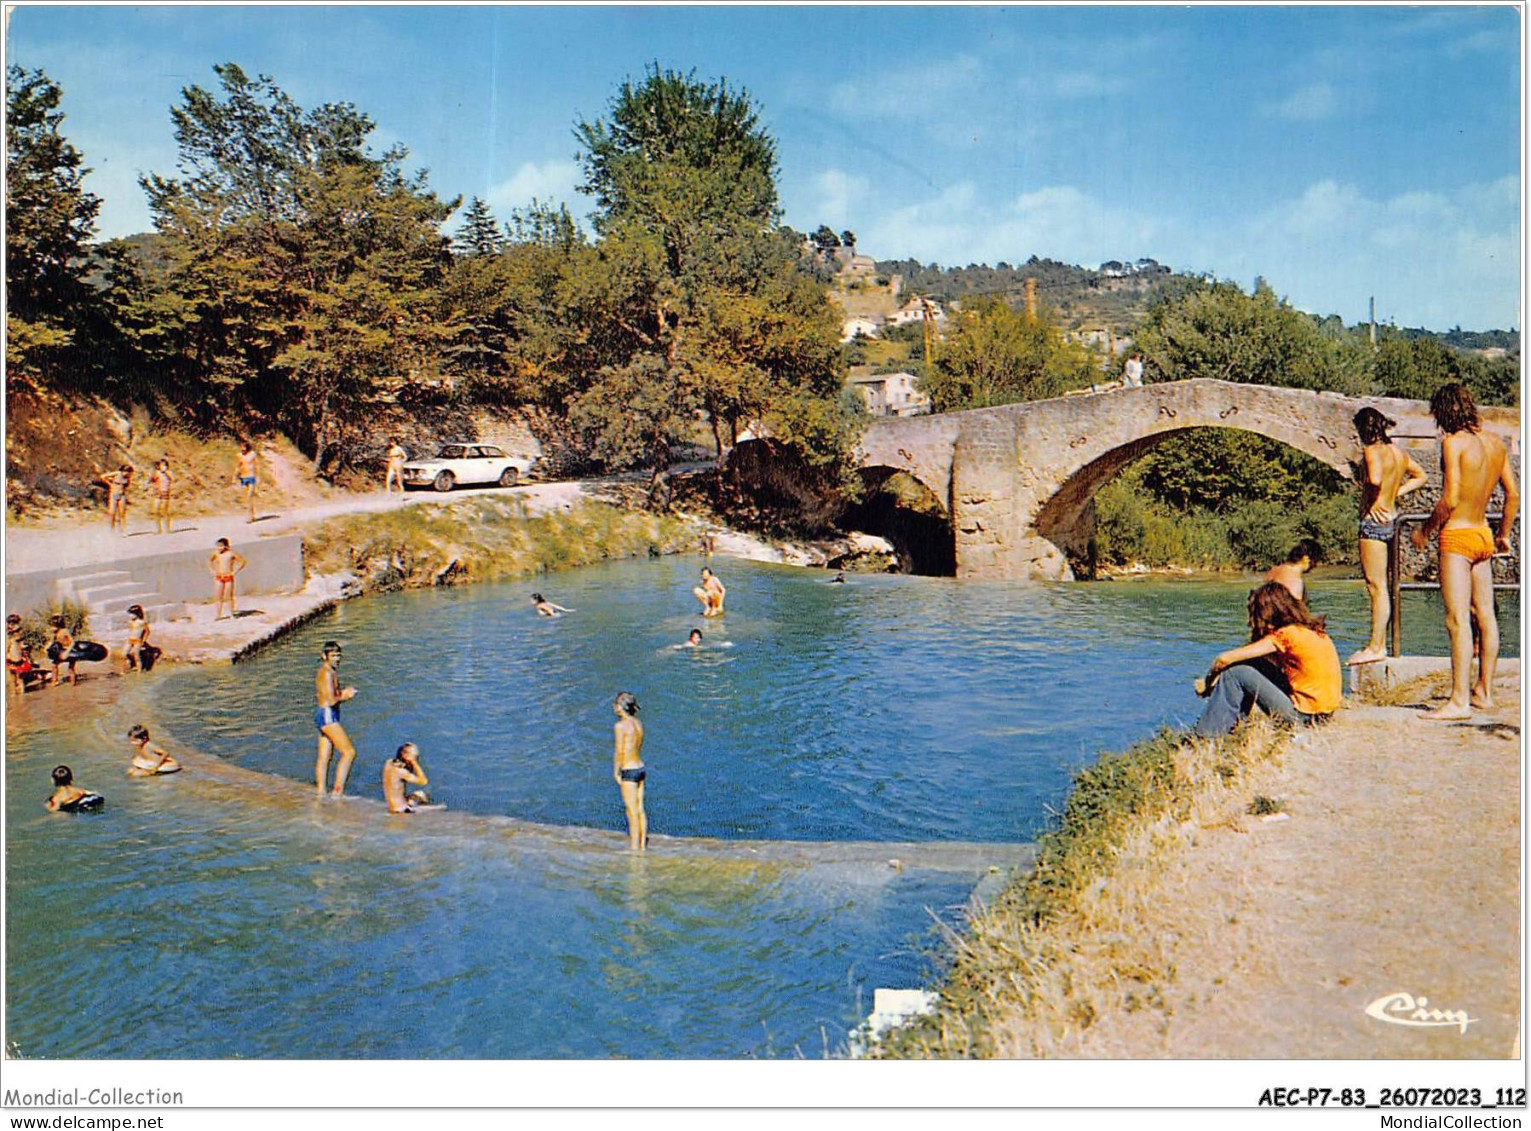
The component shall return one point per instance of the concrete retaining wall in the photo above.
(272, 566)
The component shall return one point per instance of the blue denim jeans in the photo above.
(1237, 691)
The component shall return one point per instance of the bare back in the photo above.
(629, 752)
(1473, 464)
(1386, 466)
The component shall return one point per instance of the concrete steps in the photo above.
(106, 595)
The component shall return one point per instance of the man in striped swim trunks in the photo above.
(1473, 463)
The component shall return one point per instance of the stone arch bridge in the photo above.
(1017, 482)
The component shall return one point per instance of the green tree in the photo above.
(692, 298)
(1214, 329)
(49, 221)
(995, 355)
(825, 239)
(677, 156)
(479, 234)
(301, 266)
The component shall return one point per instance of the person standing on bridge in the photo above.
(1473, 463)
(1388, 473)
(1132, 372)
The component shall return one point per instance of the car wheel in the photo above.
(445, 481)
(508, 477)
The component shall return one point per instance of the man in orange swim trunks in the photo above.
(1473, 463)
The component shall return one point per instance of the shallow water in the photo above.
(227, 912)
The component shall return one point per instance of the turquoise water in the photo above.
(227, 912)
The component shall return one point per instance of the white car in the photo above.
(466, 463)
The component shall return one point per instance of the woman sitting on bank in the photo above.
(1290, 668)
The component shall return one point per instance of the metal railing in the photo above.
(1396, 585)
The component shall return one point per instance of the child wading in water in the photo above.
(148, 759)
(710, 593)
(1289, 668)
(628, 770)
(70, 798)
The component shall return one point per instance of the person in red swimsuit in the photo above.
(224, 563)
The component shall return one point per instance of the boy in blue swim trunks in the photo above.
(332, 736)
(245, 473)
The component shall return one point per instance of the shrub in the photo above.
(37, 629)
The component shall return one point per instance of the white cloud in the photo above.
(1087, 84)
(838, 198)
(1431, 258)
(955, 226)
(906, 91)
(550, 182)
(1310, 103)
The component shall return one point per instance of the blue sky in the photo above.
(1341, 152)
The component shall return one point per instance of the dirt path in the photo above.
(1396, 871)
(81, 544)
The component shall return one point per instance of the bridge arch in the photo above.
(1067, 518)
(898, 506)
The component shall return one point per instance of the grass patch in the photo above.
(1075, 940)
(1263, 806)
(485, 539)
(1409, 693)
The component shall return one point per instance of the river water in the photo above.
(227, 912)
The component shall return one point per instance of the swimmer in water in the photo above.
(403, 768)
(838, 579)
(546, 608)
(694, 638)
(148, 759)
(332, 736)
(710, 593)
(628, 770)
(1299, 560)
(68, 797)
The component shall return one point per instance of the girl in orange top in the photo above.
(1290, 668)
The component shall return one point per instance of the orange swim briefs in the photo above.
(1475, 543)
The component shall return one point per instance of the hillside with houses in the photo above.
(896, 313)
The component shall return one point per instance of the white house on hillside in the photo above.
(892, 394)
(860, 324)
(914, 310)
